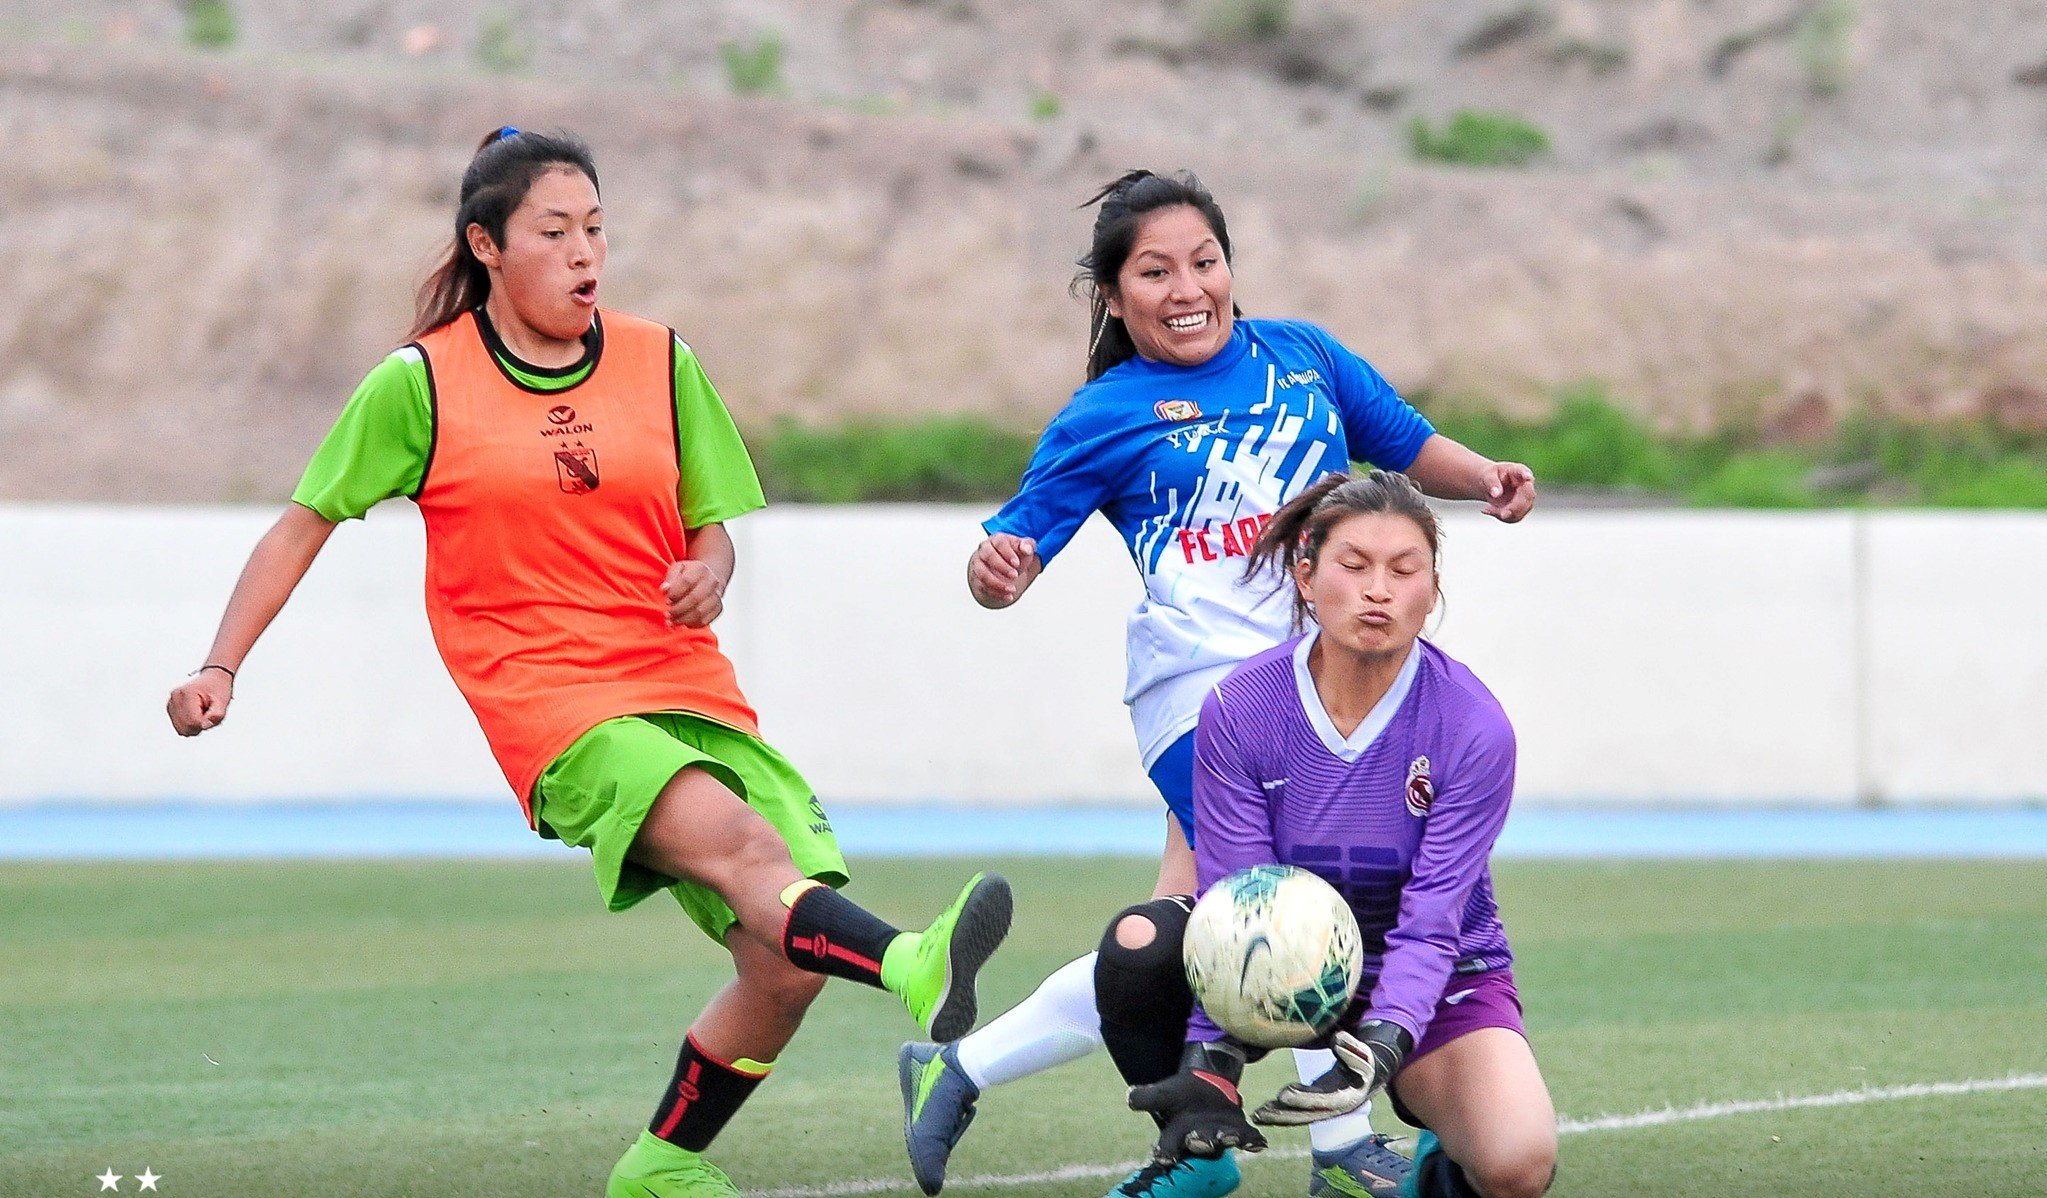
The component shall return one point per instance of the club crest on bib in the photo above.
(576, 469)
(1420, 791)
(1177, 409)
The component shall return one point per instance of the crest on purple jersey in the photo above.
(1420, 791)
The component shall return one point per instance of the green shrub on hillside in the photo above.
(1963, 463)
(1821, 39)
(2019, 480)
(755, 69)
(1589, 441)
(1758, 479)
(500, 47)
(962, 458)
(1241, 22)
(1585, 442)
(1473, 137)
(211, 24)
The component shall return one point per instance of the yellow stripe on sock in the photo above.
(751, 1067)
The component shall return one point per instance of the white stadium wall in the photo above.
(1645, 657)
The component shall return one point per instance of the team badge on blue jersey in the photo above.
(1420, 791)
(1177, 409)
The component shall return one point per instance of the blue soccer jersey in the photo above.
(1188, 464)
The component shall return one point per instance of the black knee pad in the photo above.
(1142, 994)
(1141, 985)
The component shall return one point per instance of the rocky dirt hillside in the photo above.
(1770, 208)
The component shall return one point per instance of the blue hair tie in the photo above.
(507, 131)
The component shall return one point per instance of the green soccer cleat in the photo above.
(654, 1168)
(932, 971)
(938, 1104)
(1366, 1169)
(1190, 1177)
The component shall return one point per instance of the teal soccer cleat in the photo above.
(1366, 1169)
(1192, 1177)
(1424, 1148)
(938, 1104)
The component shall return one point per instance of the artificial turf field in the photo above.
(477, 1028)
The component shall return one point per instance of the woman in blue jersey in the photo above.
(1367, 755)
(1194, 428)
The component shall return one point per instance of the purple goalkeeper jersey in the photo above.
(1400, 816)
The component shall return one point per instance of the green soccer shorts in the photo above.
(598, 792)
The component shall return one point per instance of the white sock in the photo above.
(1331, 1135)
(1056, 1024)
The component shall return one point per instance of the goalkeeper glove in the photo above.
(1198, 1110)
(1365, 1064)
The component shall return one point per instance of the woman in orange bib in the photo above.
(575, 468)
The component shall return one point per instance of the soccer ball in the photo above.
(1273, 954)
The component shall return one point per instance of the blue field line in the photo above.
(396, 828)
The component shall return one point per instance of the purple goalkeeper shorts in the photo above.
(1470, 1001)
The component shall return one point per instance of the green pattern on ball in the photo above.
(1253, 889)
(1273, 955)
(1319, 1006)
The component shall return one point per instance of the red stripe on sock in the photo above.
(820, 947)
(789, 912)
(847, 954)
(686, 1092)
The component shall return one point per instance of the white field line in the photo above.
(1716, 1110)
(1565, 1127)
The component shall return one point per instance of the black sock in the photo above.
(1442, 1178)
(829, 933)
(1145, 1053)
(702, 1098)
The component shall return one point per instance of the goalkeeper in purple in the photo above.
(1370, 757)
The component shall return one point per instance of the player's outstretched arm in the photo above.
(1002, 568)
(1447, 469)
(275, 566)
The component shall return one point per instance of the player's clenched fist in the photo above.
(200, 702)
(1002, 569)
(695, 594)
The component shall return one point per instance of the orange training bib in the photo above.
(551, 519)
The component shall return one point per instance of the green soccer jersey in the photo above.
(378, 448)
